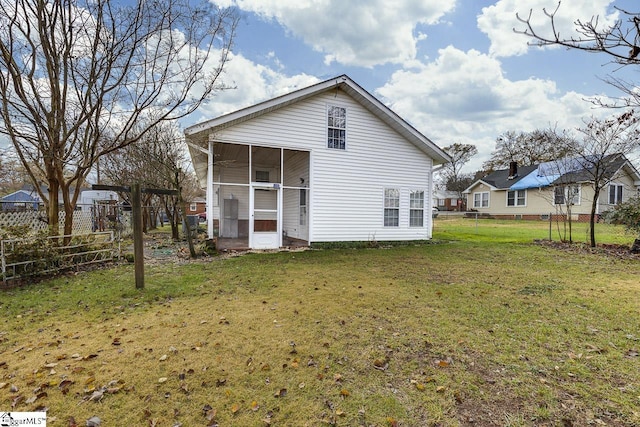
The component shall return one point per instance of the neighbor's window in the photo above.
(416, 209)
(558, 195)
(563, 194)
(615, 194)
(481, 200)
(337, 127)
(303, 206)
(193, 207)
(391, 207)
(516, 198)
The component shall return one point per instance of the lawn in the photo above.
(469, 330)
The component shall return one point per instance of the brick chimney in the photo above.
(513, 170)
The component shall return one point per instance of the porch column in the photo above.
(210, 193)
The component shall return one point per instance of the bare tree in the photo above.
(158, 160)
(77, 77)
(451, 173)
(528, 148)
(619, 41)
(12, 174)
(601, 152)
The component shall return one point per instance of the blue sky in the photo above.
(454, 69)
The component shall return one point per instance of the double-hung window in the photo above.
(481, 200)
(391, 207)
(563, 194)
(416, 209)
(336, 127)
(517, 198)
(615, 194)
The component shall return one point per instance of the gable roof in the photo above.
(558, 172)
(499, 179)
(344, 83)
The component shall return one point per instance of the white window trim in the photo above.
(566, 194)
(384, 207)
(516, 205)
(616, 201)
(488, 200)
(193, 207)
(327, 127)
(424, 195)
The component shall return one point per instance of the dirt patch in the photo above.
(611, 250)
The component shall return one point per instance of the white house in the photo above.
(325, 163)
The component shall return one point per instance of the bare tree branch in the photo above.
(78, 77)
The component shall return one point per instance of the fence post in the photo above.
(138, 244)
(4, 263)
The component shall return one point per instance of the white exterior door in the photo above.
(265, 224)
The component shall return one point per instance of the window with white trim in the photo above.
(416, 209)
(481, 200)
(193, 207)
(517, 198)
(563, 194)
(336, 127)
(391, 207)
(615, 194)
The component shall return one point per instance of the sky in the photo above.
(454, 69)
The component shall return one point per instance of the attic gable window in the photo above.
(336, 127)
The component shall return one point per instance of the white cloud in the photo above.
(465, 97)
(499, 20)
(361, 33)
(250, 84)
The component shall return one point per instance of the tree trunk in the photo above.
(54, 226)
(592, 218)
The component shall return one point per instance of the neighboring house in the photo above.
(197, 206)
(88, 200)
(446, 200)
(552, 188)
(21, 200)
(325, 163)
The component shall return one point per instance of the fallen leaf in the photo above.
(344, 393)
(235, 408)
(440, 389)
(94, 422)
(163, 357)
(281, 393)
(443, 363)
(254, 406)
(162, 380)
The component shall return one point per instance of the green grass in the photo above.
(491, 230)
(499, 331)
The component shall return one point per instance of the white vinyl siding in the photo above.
(345, 186)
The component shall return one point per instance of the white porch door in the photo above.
(265, 225)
